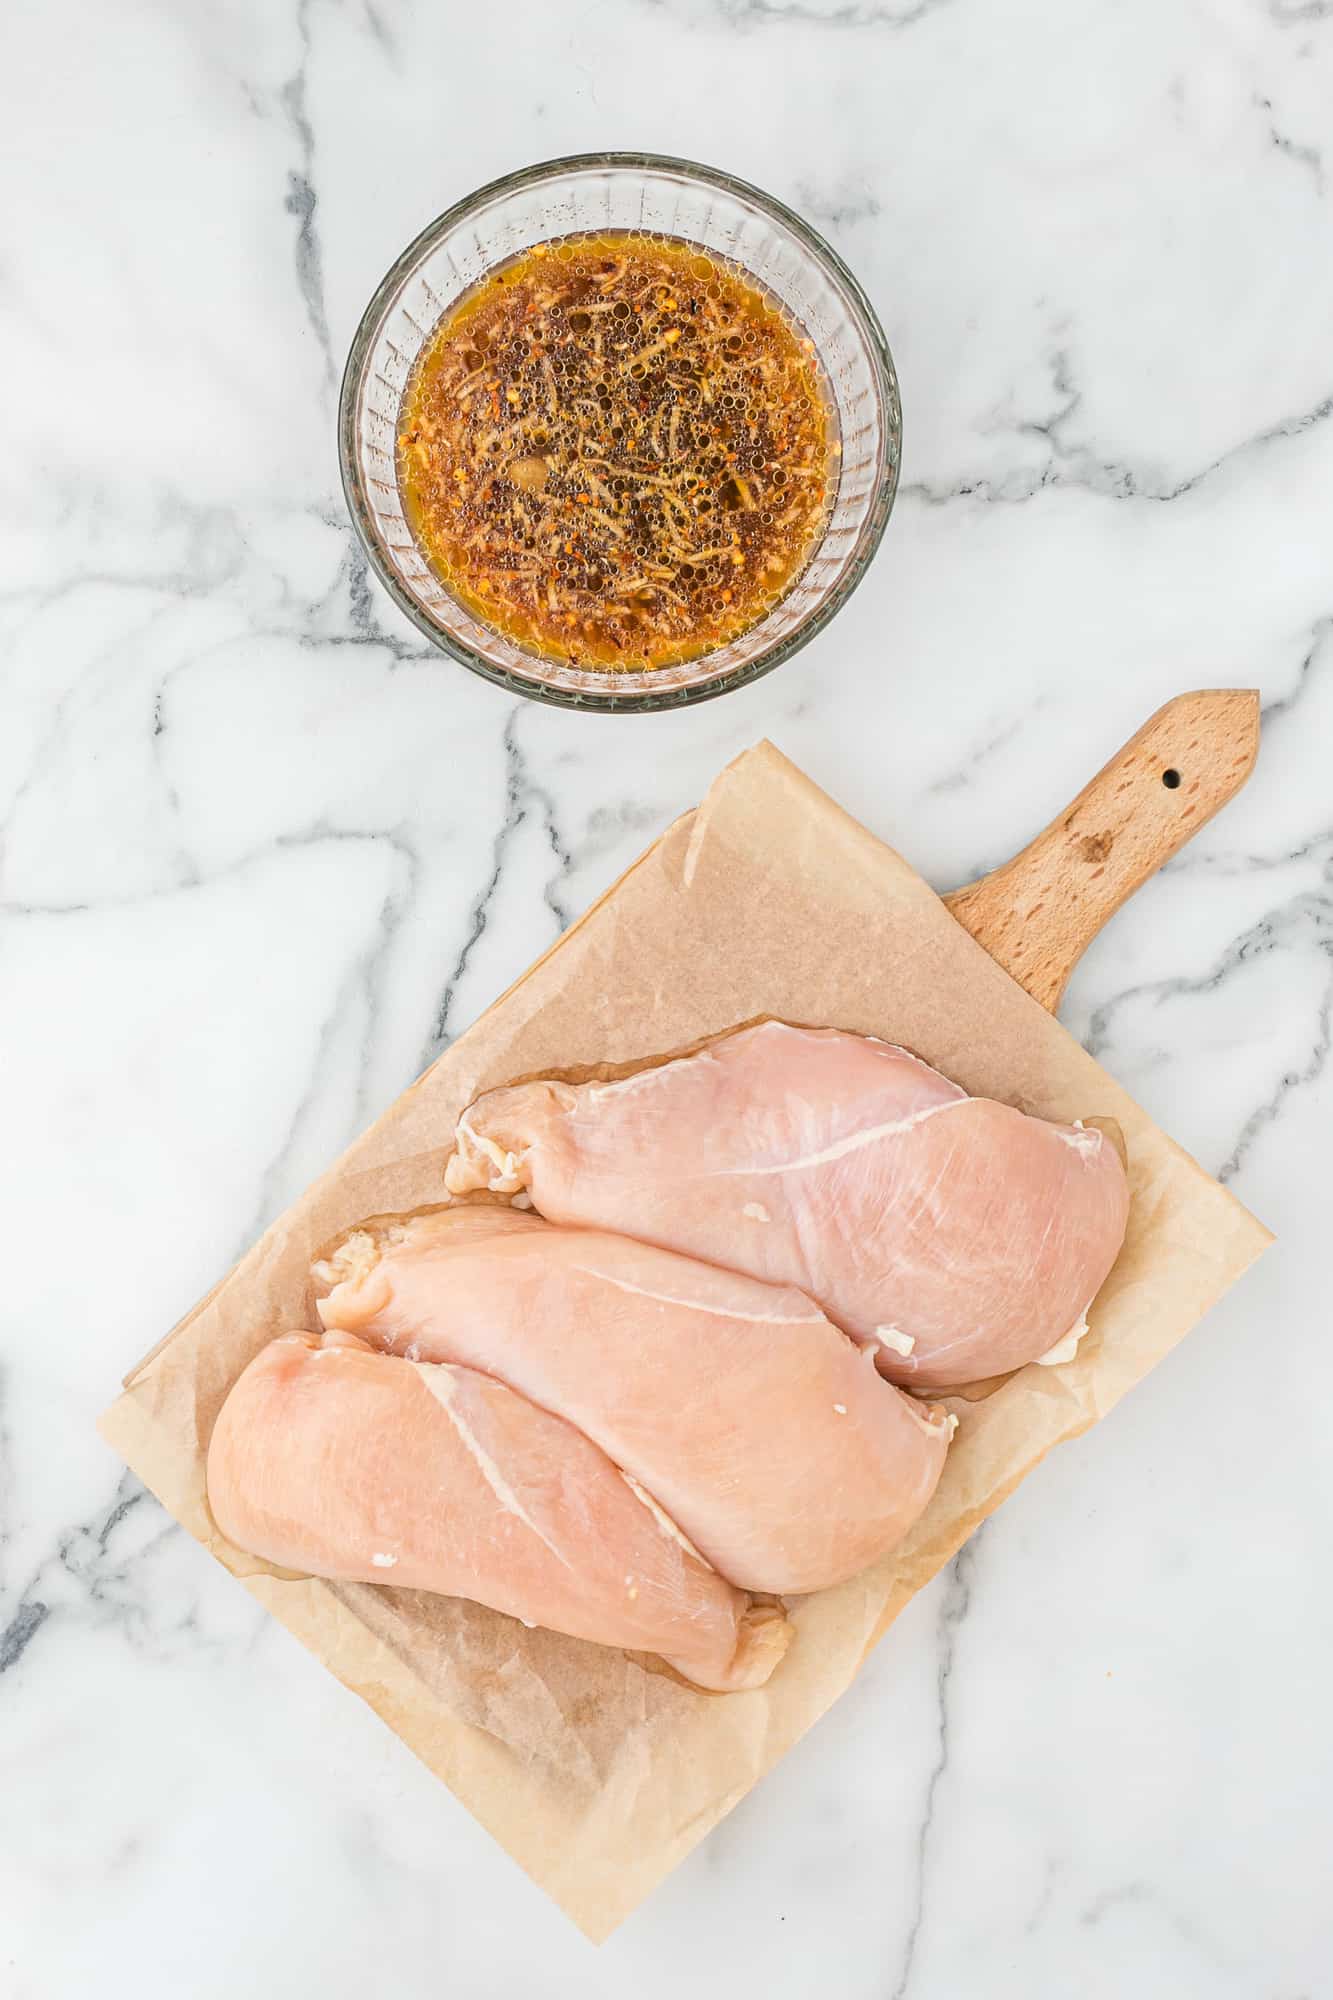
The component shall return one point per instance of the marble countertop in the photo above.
(264, 853)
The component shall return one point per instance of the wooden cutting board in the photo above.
(596, 1772)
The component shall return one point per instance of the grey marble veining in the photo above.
(263, 853)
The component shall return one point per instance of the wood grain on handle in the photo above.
(1038, 914)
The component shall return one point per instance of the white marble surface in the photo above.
(264, 851)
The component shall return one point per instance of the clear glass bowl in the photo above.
(607, 191)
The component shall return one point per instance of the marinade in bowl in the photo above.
(668, 461)
(618, 451)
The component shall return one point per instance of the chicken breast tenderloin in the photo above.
(959, 1236)
(337, 1461)
(759, 1427)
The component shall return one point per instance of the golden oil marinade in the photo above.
(618, 451)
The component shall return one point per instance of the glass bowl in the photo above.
(599, 192)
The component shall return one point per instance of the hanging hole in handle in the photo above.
(1171, 779)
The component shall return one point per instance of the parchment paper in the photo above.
(597, 1773)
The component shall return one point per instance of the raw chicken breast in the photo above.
(334, 1460)
(958, 1235)
(760, 1428)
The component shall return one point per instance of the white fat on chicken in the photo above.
(1065, 1348)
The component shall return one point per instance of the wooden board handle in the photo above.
(1038, 914)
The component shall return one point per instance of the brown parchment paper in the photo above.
(597, 1773)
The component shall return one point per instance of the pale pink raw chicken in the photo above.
(959, 1236)
(760, 1428)
(336, 1461)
